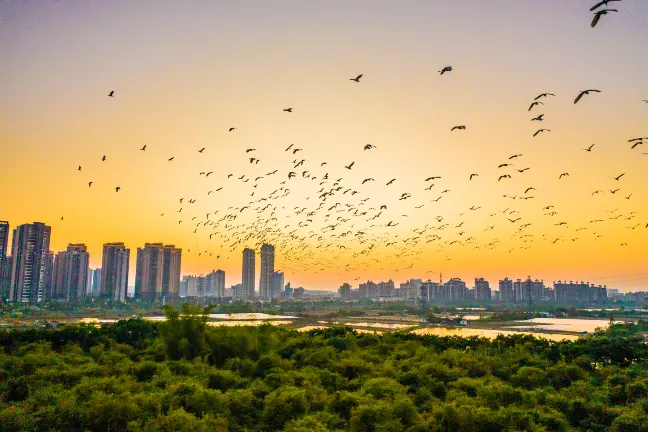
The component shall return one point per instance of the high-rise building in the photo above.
(288, 291)
(70, 275)
(30, 265)
(248, 274)
(171, 271)
(4, 283)
(455, 289)
(237, 291)
(4, 241)
(114, 272)
(267, 271)
(277, 284)
(96, 281)
(345, 291)
(506, 290)
(149, 271)
(219, 283)
(196, 285)
(89, 277)
(482, 290)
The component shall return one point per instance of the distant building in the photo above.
(506, 291)
(248, 274)
(579, 293)
(114, 272)
(298, 293)
(277, 284)
(345, 291)
(70, 275)
(455, 289)
(96, 281)
(4, 283)
(196, 285)
(4, 276)
(171, 271)
(288, 292)
(31, 263)
(410, 289)
(216, 284)
(238, 292)
(482, 290)
(157, 274)
(266, 280)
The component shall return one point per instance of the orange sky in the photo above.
(184, 74)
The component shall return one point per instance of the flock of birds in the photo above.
(339, 226)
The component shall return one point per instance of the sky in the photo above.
(184, 73)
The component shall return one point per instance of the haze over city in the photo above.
(184, 109)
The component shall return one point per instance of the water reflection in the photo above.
(566, 324)
(490, 334)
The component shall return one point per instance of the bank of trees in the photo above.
(183, 375)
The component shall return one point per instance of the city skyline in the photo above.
(174, 137)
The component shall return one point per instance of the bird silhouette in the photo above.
(367, 180)
(79, 169)
(349, 166)
(432, 178)
(288, 110)
(90, 184)
(390, 182)
(617, 178)
(117, 189)
(369, 146)
(528, 189)
(589, 149)
(515, 156)
(541, 95)
(171, 158)
(473, 175)
(458, 127)
(597, 15)
(583, 93)
(356, 79)
(541, 130)
(201, 150)
(231, 129)
(534, 104)
(103, 159)
(445, 69)
(563, 174)
(504, 165)
(523, 169)
(112, 93)
(503, 177)
(636, 144)
(143, 148)
(539, 118)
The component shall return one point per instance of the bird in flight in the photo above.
(79, 169)
(89, 184)
(112, 93)
(103, 159)
(369, 146)
(143, 148)
(563, 174)
(473, 175)
(171, 158)
(349, 166)
(249, 150)
(504, 165)
(445, 69)
(636, 144)
(589, 149)
(523, 169)
(541, 95)
(201, 150)
(390, 182)
(583, 93)
(528, 189)
(288, 110)
(539, 118)
(117, 189)
(503, 176)
(432, 178)
(534, 104)
(356, 79)
(617, 178)
(597, 15)
(541, 130)
(514, 156)
(367, 180)
(231, 129)
(458, 127)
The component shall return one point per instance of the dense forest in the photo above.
(184, 375)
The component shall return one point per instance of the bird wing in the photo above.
(358, 77)
(580, 95)
(597, 5)
(596, 19)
